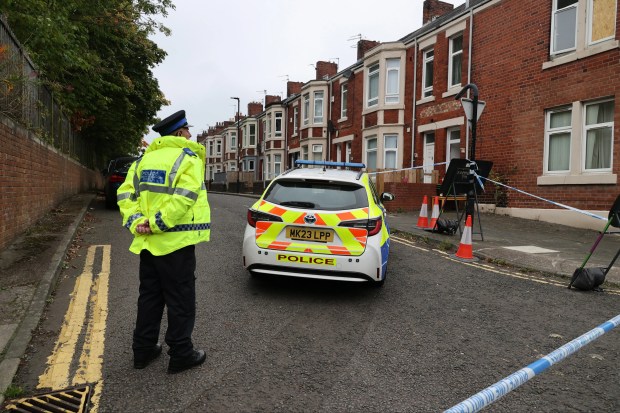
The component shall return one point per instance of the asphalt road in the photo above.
(436, 333)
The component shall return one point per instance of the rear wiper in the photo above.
(300, 204)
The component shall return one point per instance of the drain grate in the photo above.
(65, 401)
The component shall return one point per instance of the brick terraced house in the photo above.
(548, 70)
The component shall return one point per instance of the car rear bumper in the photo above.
(309, 273)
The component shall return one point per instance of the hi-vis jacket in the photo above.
(166, 186)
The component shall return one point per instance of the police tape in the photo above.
(505, 386)
(407, 169)
(543, 199)
(480, 182)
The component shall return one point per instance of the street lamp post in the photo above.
(474, 120)
(238, 140)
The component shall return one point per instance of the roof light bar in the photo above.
(300, 162)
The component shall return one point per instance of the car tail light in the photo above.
(254, 216)
(117, 178)
(373, 225)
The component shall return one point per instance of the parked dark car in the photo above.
(115, 175)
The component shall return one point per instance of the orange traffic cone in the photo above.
(423, 217)
(435, 214)
(465, 252)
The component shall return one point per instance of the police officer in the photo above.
(163, 202)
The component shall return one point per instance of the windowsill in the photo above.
(452, 91)
(425, 100)
(581, 54)
(344, 118)
(591, 179)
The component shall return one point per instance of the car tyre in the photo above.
(379, 284)
(109, 202)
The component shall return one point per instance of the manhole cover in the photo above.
(63, 401)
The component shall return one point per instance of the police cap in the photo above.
(173, 122)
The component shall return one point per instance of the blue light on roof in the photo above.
(300, 162)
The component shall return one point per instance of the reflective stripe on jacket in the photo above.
(166, 186)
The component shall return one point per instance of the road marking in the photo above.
(490, 268)
(407, 243)
(87, 312)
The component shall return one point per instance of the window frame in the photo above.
(277, 164)
(427, 91)
(368, 150)
(549, 132)
(318, 105)
(451, 141)
(305, 112)
(344, 92)
(252, 134)
(590, 25)
(372, 77)
(387, 149)
(554, 26)
(278, 117)
(392, 78)
(587, 128)
(451, 57)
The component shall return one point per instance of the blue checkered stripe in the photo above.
(181, 227)
(160, 222)
(190, 227)
(131, 219)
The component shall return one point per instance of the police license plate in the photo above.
(310, 234)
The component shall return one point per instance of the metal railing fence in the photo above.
(25, 99)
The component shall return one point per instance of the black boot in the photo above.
(177, 365)
(143, 361)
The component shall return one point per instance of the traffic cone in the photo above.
(435, 214)
(465, 252)
(423, 217)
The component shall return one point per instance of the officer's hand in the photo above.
(144, 228)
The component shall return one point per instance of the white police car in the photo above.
(320, 220)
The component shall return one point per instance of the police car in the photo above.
(321, 220)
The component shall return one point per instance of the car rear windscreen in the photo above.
(320, 194)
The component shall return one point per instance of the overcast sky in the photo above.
(243, 48)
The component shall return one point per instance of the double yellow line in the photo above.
(87, 315)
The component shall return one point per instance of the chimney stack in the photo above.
(254, 108)
(293, 88)
(269, 99)
(325, 70)
(365, 45)
(433, 9)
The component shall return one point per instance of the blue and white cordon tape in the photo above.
(407, 169)
(503, 387)
(581, 211)
(480, 181)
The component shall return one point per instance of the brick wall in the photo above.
(518, 91)
(408, 197)
(34, 178)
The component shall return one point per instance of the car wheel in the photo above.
(254, 274)
(379, 284)
(110, 202)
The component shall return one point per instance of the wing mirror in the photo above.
(387, 196)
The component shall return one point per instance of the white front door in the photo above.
(429, 156)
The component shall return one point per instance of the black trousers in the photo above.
(166, 281)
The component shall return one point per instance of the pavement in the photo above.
(30, 266)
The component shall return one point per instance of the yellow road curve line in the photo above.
(56, 375)
(490, 268)
(407, 243)
(88, 310)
